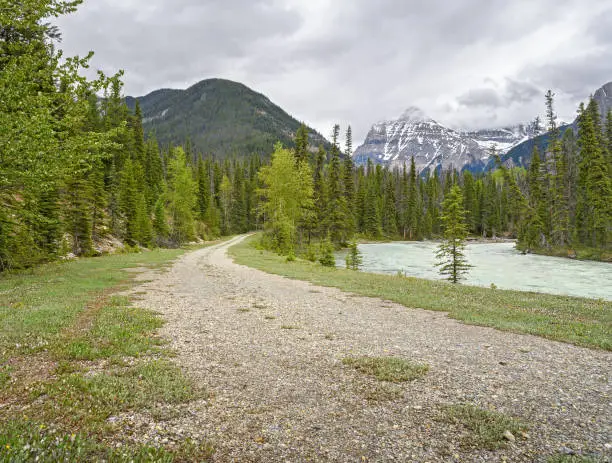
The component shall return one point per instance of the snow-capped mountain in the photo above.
(505, 138)
(393, 143)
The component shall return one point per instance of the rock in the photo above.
(509, 436)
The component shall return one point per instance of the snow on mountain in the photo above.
(393, 143)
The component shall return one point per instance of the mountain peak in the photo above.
(414, 114)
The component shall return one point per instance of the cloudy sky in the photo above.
(467, 63)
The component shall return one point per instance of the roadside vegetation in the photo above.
(483, 429)
(74, 357)
(391, 369)
(579, 321)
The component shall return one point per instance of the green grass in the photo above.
(118, 330)
(79, 355)
(380, 392)
(580, 321)
(37, 305)
(485, 428)
(391, 369)
(25, 441)
(88, 401)
(572, 459)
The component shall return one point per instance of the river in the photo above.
(497, 263)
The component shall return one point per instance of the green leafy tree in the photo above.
(181, 198)
(287, 192)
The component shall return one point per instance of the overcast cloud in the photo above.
(467, 63)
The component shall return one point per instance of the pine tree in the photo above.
(203, 180)
(301, 144)
(389, 212)
(594, 183)
(161, 230)
(558, 197)
(413, 201)
(336, 206)
(453, 264)
(349, 183)
(327, 258)
(534, 233)
(320, 191)
(354, 258)
(372, 225)
(128, 198)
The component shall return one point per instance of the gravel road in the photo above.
(269, 352)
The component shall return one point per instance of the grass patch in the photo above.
(380, 392)
(392, 369)
(561, 458)
(90, 400)
(26, 441)
(118, 330)
(243, 310)
(38, 304)
(289, 327)
(5, 375)
(485, 428)
(580, 321)
(270, 317)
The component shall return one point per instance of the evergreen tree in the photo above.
(453, 264)
(594, 183)
(336, 206)
(354, 258)
(161, 230)
(320, 190)
(558, 197)
(128, 197)
(413, 201)
(389, 213)
(349, 183)
(301, 144)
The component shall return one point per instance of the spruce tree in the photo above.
(558, 195)
(413, 201)
(349, 183)
(594, 183)
(301, 144)
(354, 258)
(451, 253)
(336, 205)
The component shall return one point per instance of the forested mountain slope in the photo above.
(219, 117)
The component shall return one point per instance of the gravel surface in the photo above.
(269, 351)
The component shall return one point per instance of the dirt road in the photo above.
(269, 351)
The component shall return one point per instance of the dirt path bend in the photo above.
(269, 350)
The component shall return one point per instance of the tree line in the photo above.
(563, 202)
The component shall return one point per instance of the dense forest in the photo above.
(76, 170)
